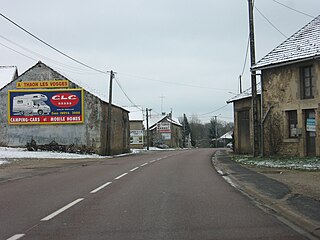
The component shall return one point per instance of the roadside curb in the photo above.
(275, 204)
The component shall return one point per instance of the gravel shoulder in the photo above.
(300, 182)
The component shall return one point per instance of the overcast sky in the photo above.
(184, 55)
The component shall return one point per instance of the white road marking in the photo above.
(220, 172)
(133, 169)
(122, 175)
(61, 210)
(52, 215)
(101, 187)
(16, 237)
(228, 180)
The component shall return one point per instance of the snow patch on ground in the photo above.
(309, 164)
(8, 154)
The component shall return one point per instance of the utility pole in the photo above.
(147, 118)
(109, 122)
(184, 131)
(162, 97)
(255, 116)
(216, 130)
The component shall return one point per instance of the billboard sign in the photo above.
(43, 84)
(63, 106)
(163, 127)
(136, 136)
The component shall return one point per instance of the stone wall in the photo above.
(282, 93)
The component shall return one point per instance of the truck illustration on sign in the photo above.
(30, 104)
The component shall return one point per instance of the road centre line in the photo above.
(52, 215)
(16, 237)
(122, 175)
(101, 187)
(133, 169)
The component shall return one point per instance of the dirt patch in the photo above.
(300, 182)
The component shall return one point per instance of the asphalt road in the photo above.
(163, 195)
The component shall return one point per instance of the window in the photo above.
(292, 124)
(306, 82)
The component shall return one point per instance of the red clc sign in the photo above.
(64, 100)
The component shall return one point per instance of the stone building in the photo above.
(242, 132)
(290, 96)
(45, 106)
(165, 130)
(137, 131)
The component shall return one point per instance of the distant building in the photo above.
(137, 130)
(43, 105)
(165, 130)
(226, 138)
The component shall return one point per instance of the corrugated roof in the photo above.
(304, 44)
(7, 74)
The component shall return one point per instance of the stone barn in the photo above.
(43, 105)
(242, 107)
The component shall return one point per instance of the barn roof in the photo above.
(245, 94)
(7, 75)
(301, 46)
(135, 113)
(79, 84)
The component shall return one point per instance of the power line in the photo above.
(293, 9)
(70, 68)
(121, 88)
(213, 110)
(246, 57)
(86, 65)
(50, 46)
(22, 54)
(78, 82)
(177, 83)
(270, 22)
